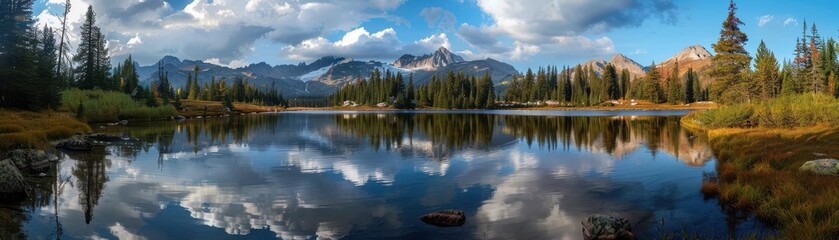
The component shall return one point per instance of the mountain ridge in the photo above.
(323, 76)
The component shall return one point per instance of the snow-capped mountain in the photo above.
(323, 76)
(429, 62)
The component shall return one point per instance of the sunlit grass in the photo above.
(758, 170)
(786, 111)
(20, 129)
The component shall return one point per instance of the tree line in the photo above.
(454, 91)
(389, 89)
(35, 67)
(813, 68)
(585, 86)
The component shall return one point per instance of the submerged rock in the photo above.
(102, 137)
(31, 161)
(826, 166)
(12, 184)
(445, 218)
(597, 227)
(75, 143)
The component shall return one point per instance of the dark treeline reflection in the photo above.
(454, 131)
(197, 134)
(617, 135)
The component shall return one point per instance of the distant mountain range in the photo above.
(696, 57)
(325, 75)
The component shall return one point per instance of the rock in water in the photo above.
(75, 143)
(827, 166)
(30, 160)
(102, 137)
(12, 184)
(445, 218)
(602, 227)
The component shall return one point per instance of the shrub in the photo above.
(786, 111)
(109, 106)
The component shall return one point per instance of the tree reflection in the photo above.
(614, 135)
(90, 175)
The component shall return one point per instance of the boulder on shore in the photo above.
(601, 227)
(32, 161)
(75, 143)
(445, 218)
(12, 184)
(826, 166)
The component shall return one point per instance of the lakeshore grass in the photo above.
(760, 147)
(22, 129)
(786, 111)
(194, 108)
(98, 106)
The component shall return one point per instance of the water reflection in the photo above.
(357, 175)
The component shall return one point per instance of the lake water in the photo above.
(371, 175)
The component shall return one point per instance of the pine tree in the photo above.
(789, 85)
(624, 83)
(17, 43)
(674, 87)
(129, 79)
(766, 72)
(610, 79)
(46, 92)
(92, 56)
(815, 71)
(652, 86)
(193, 87)
(831, 66)
(731, 62)
(692, 88)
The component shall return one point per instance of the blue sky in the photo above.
(525, 33)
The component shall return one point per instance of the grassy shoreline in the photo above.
(23, 129)
(757, 170)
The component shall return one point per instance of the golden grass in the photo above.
(23, 129)
(642, 105)
(758, 171)
(194, 108)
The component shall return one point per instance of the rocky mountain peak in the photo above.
(695, 52)
(168, 59)
(440, 58)
(623, 62)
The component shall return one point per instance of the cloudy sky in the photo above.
(525, 33)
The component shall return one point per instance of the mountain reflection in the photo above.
(370, 175)
(617, 135)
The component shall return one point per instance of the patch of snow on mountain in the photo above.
(314, 74)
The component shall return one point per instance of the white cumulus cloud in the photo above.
(359, 43)
(765, 19)
(790, 21)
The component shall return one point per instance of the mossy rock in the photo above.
(601, 227)
(75, 143)
(12, 184)
(826, 166)
(445, 218)
(30, 161)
